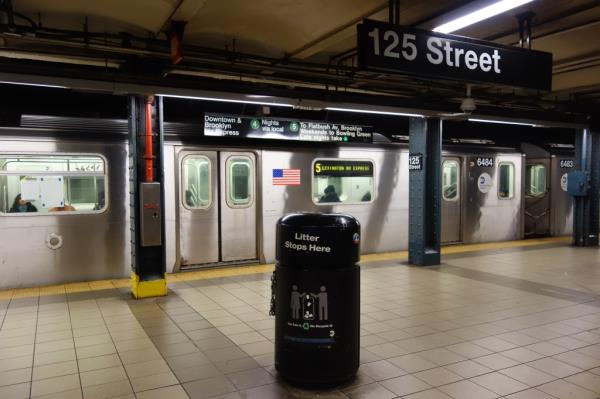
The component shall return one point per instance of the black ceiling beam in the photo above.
(116, 76)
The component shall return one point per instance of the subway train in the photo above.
(64, 203)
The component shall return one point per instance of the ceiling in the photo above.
(306, 44)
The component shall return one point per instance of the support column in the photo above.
(587, 208)
(147, 199)
(424, 202)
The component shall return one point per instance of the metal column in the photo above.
(587, 208)
(424, 202)
(147, 198)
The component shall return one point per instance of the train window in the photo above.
(535, 180)
(196, 182)
(239, 182)
(450, 185)
(47, 184)
(343, 181)
(506, 180)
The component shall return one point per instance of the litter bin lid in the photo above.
(322, 240)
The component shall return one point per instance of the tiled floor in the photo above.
(520, 322)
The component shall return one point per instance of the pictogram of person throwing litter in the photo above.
(303, 301)
(322, 298)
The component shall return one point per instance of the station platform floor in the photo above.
(504, 320)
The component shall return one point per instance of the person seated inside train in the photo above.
(366, 197)
(66, 207)
(330, 195)
(99, 205)
(21, 205)
(189, 199)
(101, 202)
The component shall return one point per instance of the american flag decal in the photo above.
(286, 177)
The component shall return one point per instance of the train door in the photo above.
(451, 199)
(537, 197)
(217, 207)
(238, 206)
(198, 208)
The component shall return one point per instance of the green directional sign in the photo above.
(223, 125)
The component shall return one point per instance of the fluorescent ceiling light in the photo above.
(228, 100)
(479, 15)
(502, 122)
(368, 111)
(32, 84)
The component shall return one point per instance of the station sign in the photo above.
(395, 48)
(415, 161)
(223, 125)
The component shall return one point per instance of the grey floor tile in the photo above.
(586, 380)
(565, 390)
(17, 376)
(16, 391)
(405, 385)
(554, 367)
(110, 390)
(187, 361)
(55, 385)
(16, 363)
(172, 392)
(429, 394)
(528, 375)
(468, 369)
(496, 361)
(196, 372)
(207, 388)
(438, 376)
(370, 391)
(55, 370)
(381, 370)
(154, 381)
(102, 376)
(235, 365)
(72, 394)
(250, 378)
(530, 394)
(224, 354)
(467, 390)
(412, 363)
(499, 383)
(41, 359)
(99, 362)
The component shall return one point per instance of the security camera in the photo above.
(468, 105)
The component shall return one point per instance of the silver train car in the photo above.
(222, 202)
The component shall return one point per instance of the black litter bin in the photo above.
(316, 288)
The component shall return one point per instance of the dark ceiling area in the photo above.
(264, 47)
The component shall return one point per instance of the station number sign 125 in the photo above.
(393, 45)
